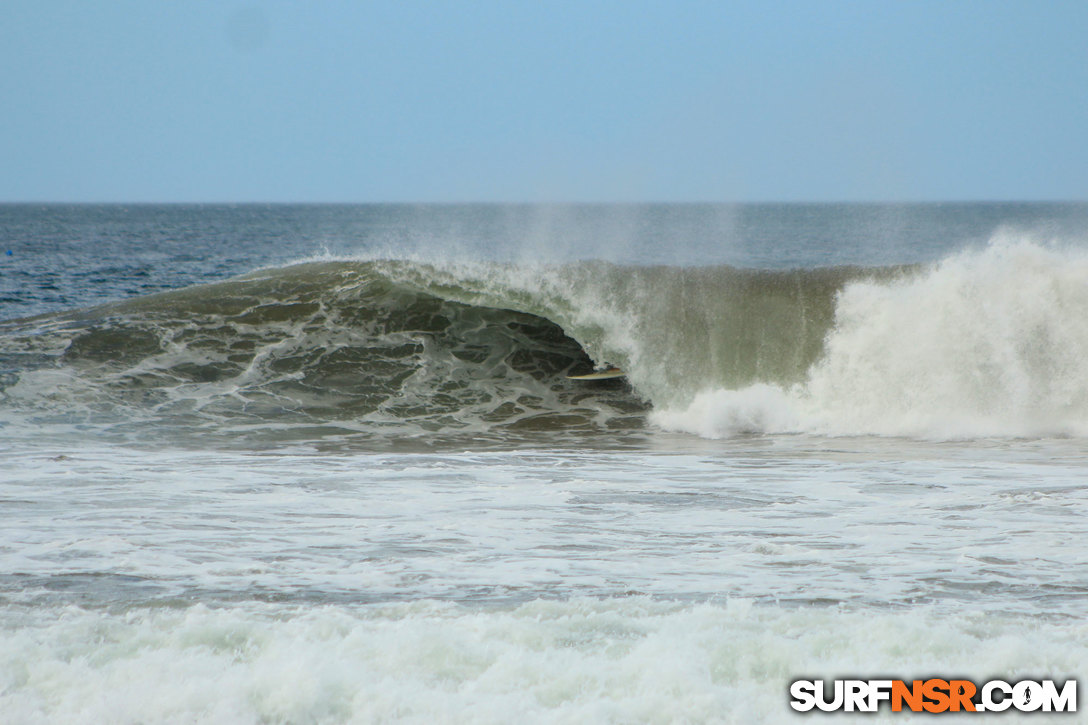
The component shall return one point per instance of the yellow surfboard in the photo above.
(607, 374)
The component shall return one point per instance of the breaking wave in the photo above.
(987, 342)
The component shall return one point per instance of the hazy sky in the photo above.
(147, 100)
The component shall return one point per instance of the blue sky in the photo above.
(359, 101)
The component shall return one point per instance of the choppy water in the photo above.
(324, 464)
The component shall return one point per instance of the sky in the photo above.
(672, 101)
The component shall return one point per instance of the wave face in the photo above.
(413, 349)
(315, 348)
(988, 342)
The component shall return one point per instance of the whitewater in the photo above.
(324, 464)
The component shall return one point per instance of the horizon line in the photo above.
(750, 202)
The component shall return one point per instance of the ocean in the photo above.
(324, 463)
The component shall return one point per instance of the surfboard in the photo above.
(607, 374)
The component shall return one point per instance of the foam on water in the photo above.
(549, 586)
(582, 660)
(797, 520)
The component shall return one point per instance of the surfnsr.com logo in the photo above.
(933, 695)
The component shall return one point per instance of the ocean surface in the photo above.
(323, 464)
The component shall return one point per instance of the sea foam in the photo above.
(990, 342)
(579, 660)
